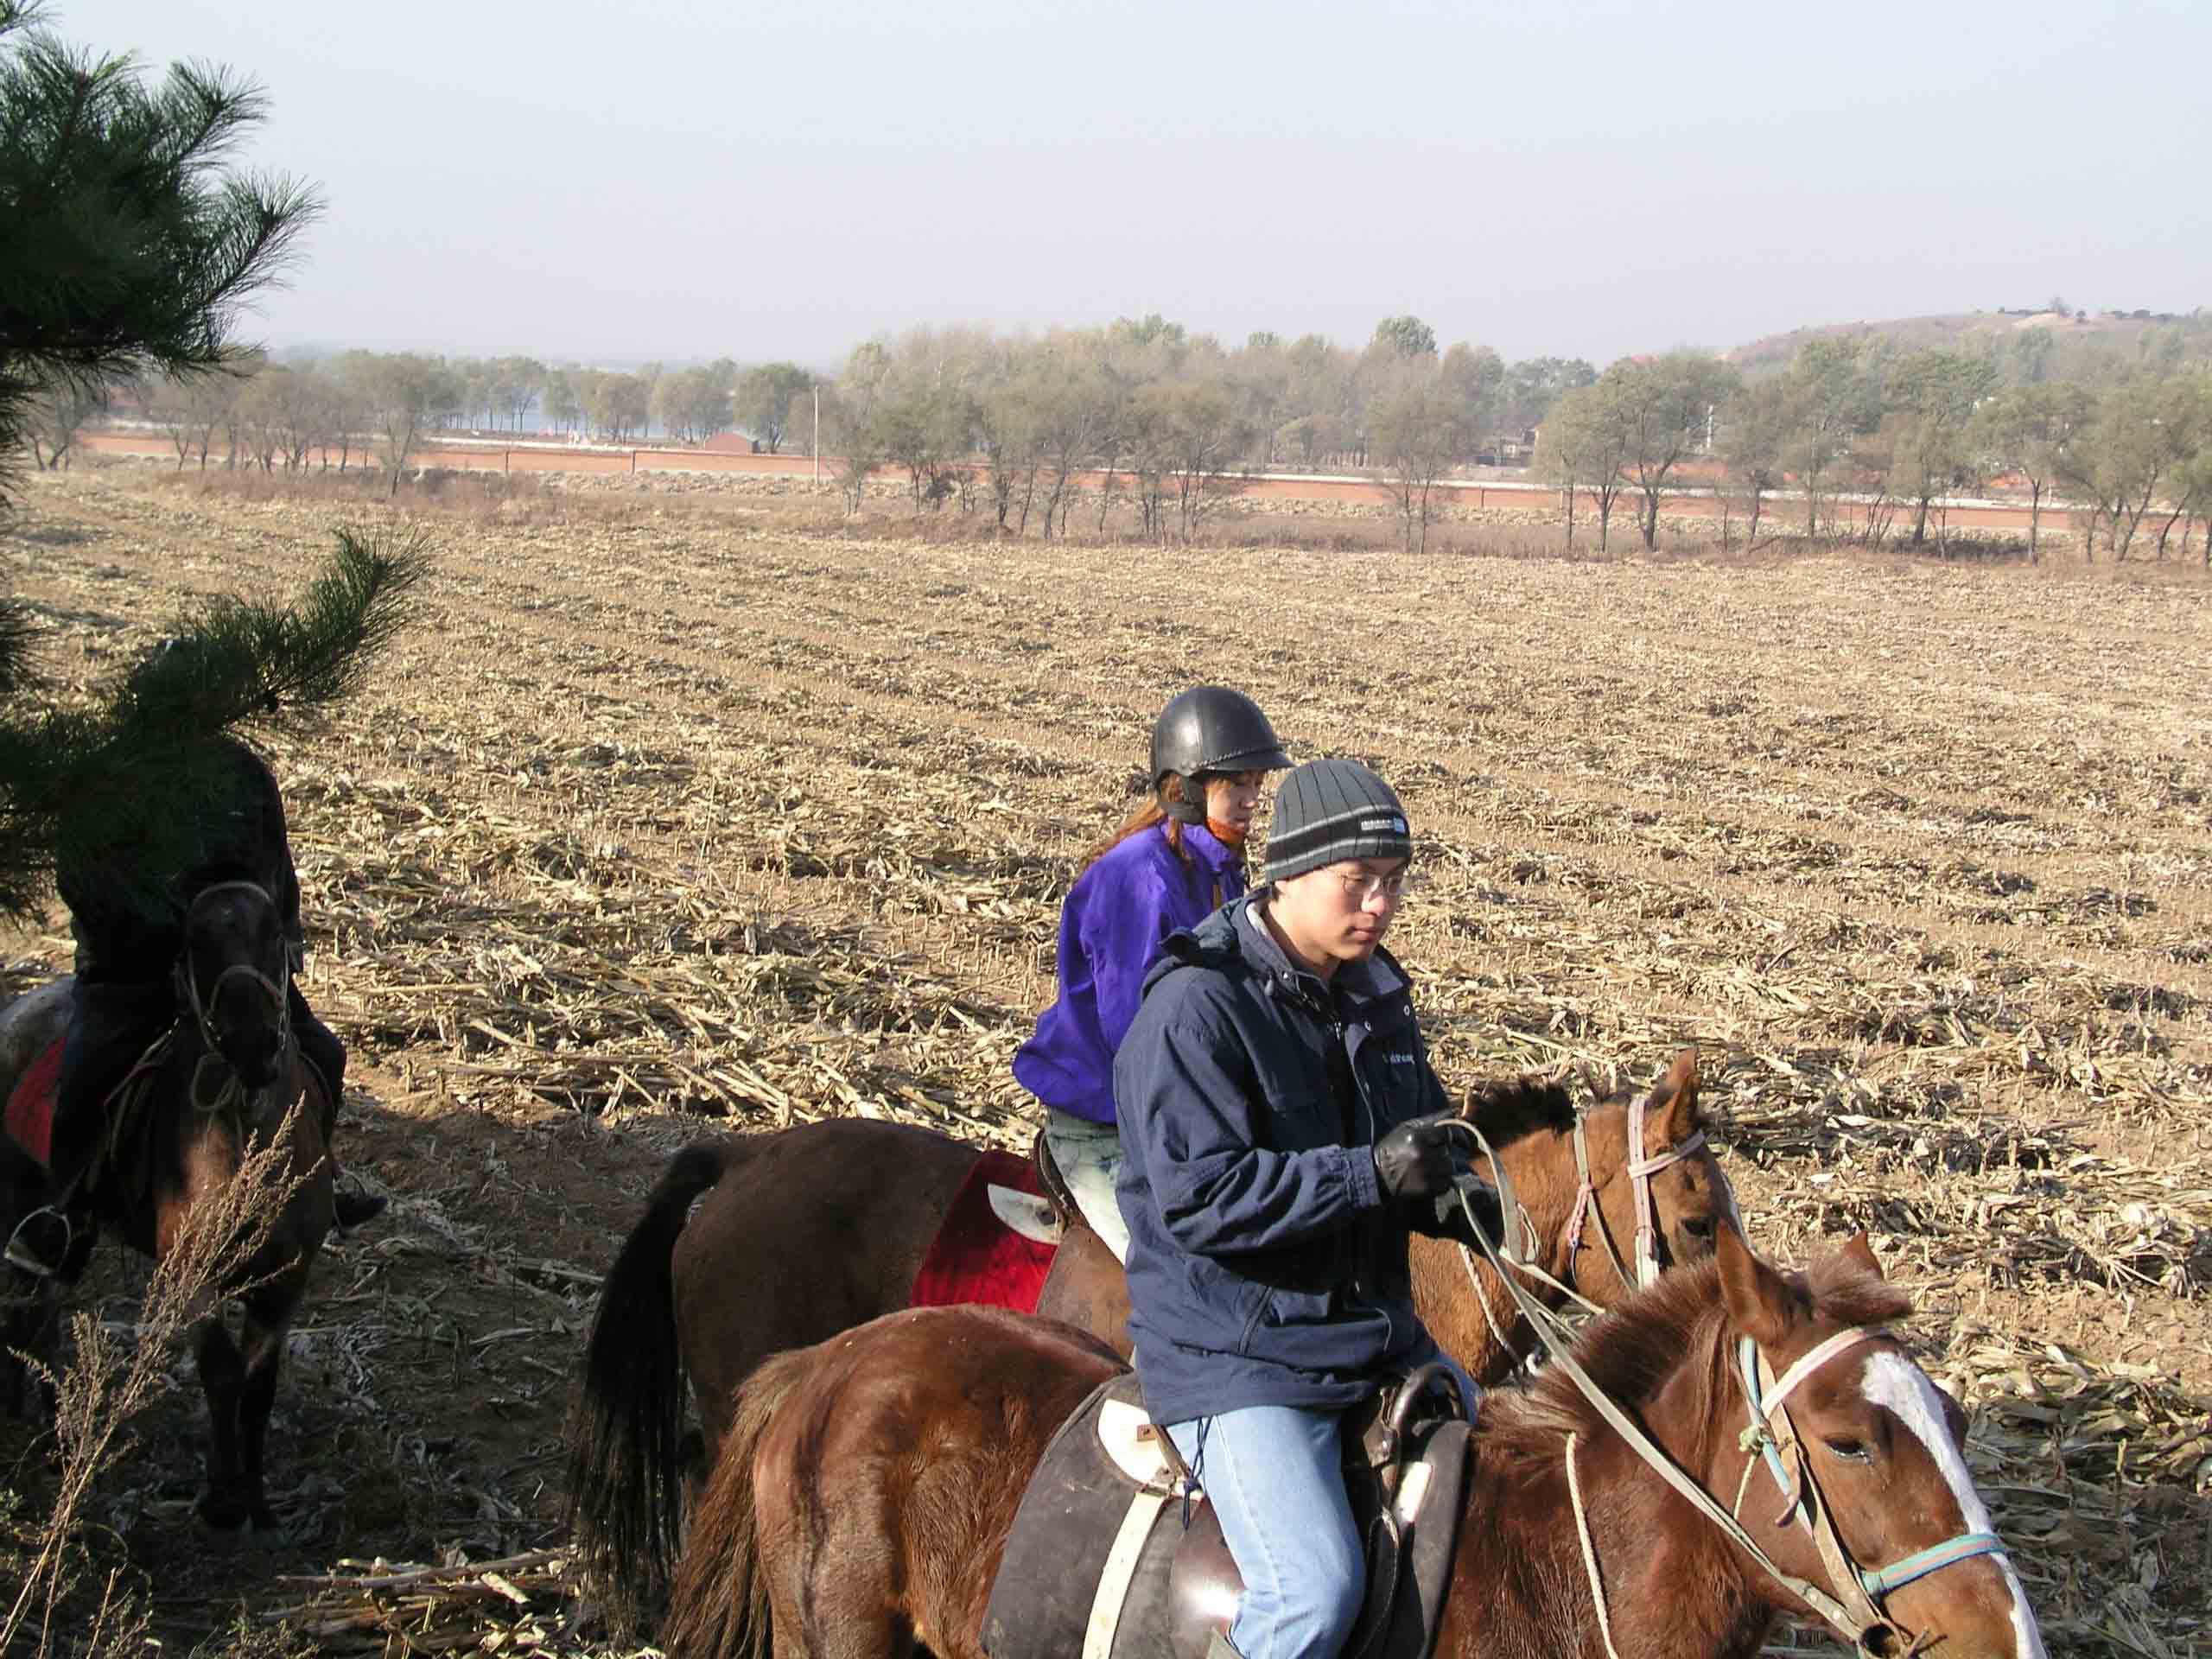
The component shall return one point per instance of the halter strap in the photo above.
(227, 1090)
(1641, 1170)
(1786, 1384)
(1800, 1497)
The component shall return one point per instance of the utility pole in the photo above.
(817, 437)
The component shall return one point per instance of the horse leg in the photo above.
(222, 1380)
(843, 1619)
(265, 1358)
(241, 1388)
(28, 1333)
(831, 1596)
(32, 1304)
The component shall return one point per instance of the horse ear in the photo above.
(1954, 1415)
(1860, 1254)
(1760, 1304)
(1671, 1116)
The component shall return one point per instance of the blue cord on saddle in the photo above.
(1195, 1483)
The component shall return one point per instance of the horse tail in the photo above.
(626, 1489)
(719, 1608)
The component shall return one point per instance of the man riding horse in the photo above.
(127, 921)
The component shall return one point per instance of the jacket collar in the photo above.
(1235, 933)
(1214, 856)
(1360, 985)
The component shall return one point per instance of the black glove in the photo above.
(1420, 1160)
(1452, 1220)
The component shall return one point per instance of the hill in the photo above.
(2065, 343)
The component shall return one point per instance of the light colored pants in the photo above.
(1089, 1157)
(1275, 1477)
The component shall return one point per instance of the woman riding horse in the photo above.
(1176, 858)
(1285, 1133)
(129, 926)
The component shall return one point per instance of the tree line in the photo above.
(1872, 441)
(1173, 420)
(382, 405)
(1869, 440)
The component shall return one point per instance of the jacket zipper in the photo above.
(1362, 1286)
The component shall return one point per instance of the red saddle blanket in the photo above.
(977, 1256)
(30, 1105)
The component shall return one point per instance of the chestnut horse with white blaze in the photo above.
(866, 1489)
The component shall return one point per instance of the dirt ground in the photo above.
(669, 816)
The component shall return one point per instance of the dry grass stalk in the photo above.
(102, 1386)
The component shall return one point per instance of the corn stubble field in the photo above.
(674, 815)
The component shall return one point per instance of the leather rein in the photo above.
(1520, 1251)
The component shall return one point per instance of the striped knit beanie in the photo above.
(1327, 811)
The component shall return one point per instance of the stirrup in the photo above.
(22, 1254)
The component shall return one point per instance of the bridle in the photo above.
(227, 1093)
(1850, 1602)
(1766, 1398)
(1520, 1251)
(1640, 1171)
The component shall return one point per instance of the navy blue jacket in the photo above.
(1111, 927)
(1264, 1267)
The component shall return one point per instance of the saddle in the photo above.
(1152, 1577)
(1051, 1182)
(32, 1032)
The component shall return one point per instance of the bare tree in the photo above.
(1584, 446)
(1207, 438)
(1664, 405)
(59, 411)
(2028, 429)
(1934, 393)
(1755, 434)
(1420, 430)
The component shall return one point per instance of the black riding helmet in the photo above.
(1210, 728)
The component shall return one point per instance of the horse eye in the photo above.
(1699, 1226)
(1849, 1450)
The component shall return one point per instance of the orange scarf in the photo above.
(1229, 835)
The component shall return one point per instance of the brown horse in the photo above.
(804, 1233)
(225, 1082)
(864, 1496)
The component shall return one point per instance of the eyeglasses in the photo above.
(1360, 886)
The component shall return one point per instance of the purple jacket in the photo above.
(1111, 927)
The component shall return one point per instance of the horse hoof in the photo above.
(251, 1521)
(353, 1208)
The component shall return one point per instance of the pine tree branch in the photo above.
(122, 787)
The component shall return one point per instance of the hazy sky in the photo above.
(675, 178)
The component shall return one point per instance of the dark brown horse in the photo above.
(866, 1490)
(804, 1233)
(222, 1084)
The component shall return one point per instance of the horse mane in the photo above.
(1511, 1109)
(1631, 1350)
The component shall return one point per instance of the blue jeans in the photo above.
(1275, 1477)
(1089, 1157)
